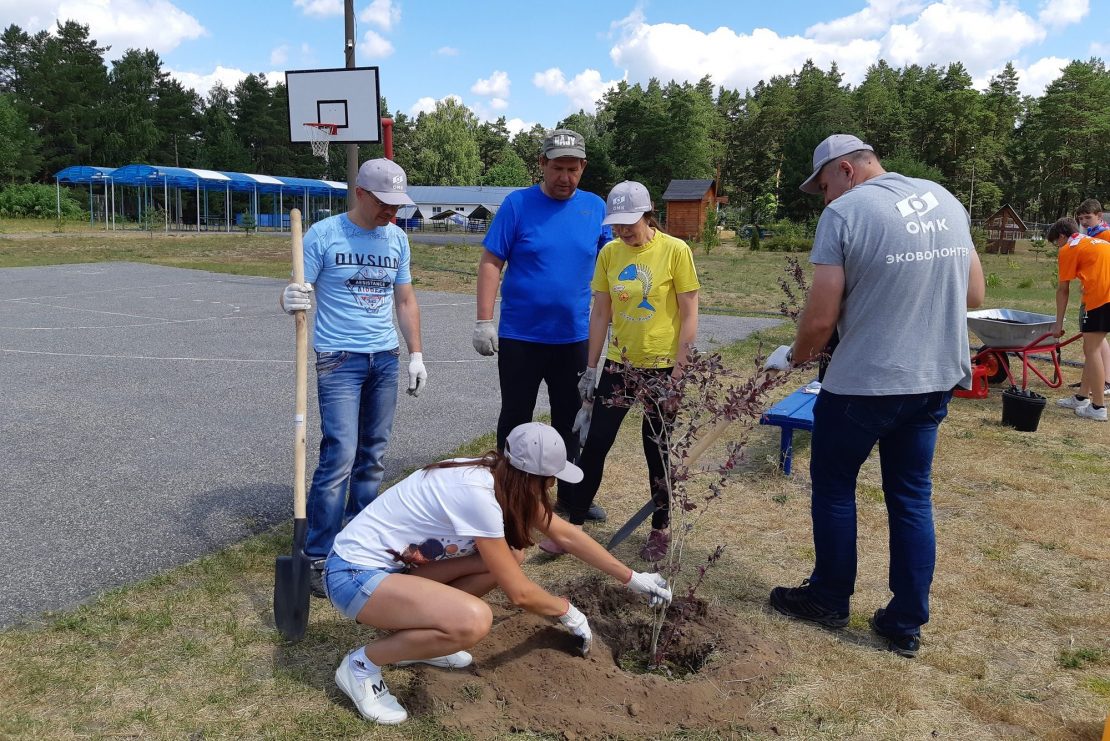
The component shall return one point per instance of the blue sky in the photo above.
(537, 62)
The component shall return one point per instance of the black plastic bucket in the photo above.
(1022, 409)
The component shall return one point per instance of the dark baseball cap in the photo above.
(564, 143)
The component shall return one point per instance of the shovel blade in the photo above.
(629, 527)
(291, 589)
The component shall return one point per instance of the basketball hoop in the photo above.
(320, 136)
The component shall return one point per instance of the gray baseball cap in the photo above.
(536, 448)
(627, 203)
(386, 180)
(835, 147)
(564, 143)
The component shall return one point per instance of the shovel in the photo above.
(291, 573)
(644, 512)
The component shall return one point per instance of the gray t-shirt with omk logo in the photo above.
(905, 247)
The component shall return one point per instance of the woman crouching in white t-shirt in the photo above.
(418, 559)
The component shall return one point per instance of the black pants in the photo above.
(520, 368)
(603, 432)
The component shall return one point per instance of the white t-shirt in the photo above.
(430, 516)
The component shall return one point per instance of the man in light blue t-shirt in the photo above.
(357, 265)
(895, 271)
(546, 238)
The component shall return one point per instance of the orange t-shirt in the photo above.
(1087, 259)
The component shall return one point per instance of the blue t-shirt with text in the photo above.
(550, 247)
(353, 271)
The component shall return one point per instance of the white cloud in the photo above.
(872, 21)
(447, 51)
(320, 8)
(496, 85)
(1033, 79)
(122, 24)
(974, 32)
(381, 13)
(498, 104)
(374, 45)
(228, 76)
(517, 125)
(427, 104)
(279, 54)
(583, 90)
(1059, 13)
(982, 34)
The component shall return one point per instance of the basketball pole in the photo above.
(349, 51)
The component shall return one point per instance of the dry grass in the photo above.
(1019, 643)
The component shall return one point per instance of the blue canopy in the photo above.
(83, 174)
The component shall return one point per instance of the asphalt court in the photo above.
(147, 418)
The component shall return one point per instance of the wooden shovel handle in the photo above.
(300, 321)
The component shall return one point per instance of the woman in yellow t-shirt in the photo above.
(645, 284)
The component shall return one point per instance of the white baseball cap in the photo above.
(536, 448)
(386, 180)
(627, 203)
(834, 147)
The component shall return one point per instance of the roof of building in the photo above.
(687, 190)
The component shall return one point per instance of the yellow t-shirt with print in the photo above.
(644, 283)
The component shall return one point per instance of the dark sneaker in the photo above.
(800, 603)
(903, 645)
(596, 512)
(316, 579)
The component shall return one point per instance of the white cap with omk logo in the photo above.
(386, 180)
(627, 203)
(536, 448)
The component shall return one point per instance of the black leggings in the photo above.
(603, 431)
(520, 368)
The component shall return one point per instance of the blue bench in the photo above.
(795, 412)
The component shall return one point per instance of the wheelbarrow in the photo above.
(1006, 332)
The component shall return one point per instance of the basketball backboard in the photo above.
(347, 98)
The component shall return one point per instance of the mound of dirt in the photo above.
(527, 675)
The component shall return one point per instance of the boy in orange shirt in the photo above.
(1088, 260)
(1089, 216)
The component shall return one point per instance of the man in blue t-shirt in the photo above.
(357, 265)
(548, 236)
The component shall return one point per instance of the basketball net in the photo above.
(319, 136)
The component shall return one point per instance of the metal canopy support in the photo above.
(227, 207)
(198, 205)
(166, 199)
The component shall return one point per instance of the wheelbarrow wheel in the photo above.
(997, 365)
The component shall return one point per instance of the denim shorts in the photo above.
(349, 585)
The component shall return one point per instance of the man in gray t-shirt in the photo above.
(894, 273)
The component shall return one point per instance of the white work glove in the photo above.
(653, 585)
(576, 623)
(780, 359)
(582, 423)
(485, 337)
(418, 375)
(296, 297)
(587, 383)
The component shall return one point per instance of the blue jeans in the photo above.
(845, 429)
(358, 396)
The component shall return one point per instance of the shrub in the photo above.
(36, 201)
(709, 236)
(788, 244)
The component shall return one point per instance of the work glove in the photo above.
(485, 337)
(653, 585)
(296, 297)
(418, 375)
(781, 359)
(587, 383)
(582, 423)
(576, 623)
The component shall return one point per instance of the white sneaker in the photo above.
(457, 660)
(370, 696)
(1089, 412)
(1070, 402)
